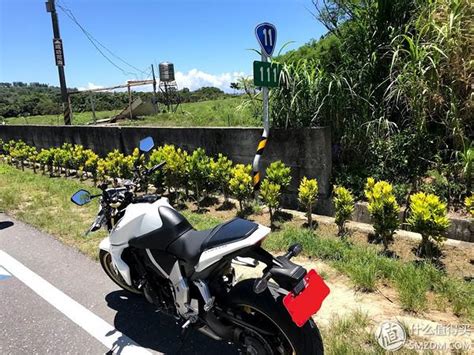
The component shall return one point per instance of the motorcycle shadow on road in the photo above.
(139, 320)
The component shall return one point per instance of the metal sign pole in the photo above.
(266, 36)
(263, 140)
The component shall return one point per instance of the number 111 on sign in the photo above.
(266, 74)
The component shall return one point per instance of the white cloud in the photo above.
(195, 79)
(90, 86)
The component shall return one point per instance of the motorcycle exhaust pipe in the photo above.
(209, 332)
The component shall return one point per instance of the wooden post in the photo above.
(129, 101)
(91, 99)
(155, 100)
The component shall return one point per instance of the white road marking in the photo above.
(94, 325)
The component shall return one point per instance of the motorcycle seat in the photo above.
(192, 243)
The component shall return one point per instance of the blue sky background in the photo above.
(207, 40)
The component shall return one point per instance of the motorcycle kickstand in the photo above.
(184, 336)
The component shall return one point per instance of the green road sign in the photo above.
(266, 74)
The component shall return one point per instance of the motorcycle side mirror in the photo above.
(146, 144)
(81, 197)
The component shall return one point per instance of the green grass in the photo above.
(218, 113)
(79, 118)
(350, 335)
(44, 203)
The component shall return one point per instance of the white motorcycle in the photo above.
(153, 250)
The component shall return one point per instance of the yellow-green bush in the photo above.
(344, 206)
(118, 165)
(18, 151)
(270, 194)
(240, 184)
(307, 195)
(428, 217)
(469, 203)
(383, 208)
(175, 172)
(198, 171)
(220, 173)
(278, 173)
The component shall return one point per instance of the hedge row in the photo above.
(196, 172)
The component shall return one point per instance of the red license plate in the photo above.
(308, 301)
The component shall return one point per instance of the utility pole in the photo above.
(59, 56)
(154, 90)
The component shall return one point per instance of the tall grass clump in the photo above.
(412, 285)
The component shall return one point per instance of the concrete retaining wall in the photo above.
(306, 151)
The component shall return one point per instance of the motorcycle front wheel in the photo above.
(107, 264)
(269, 328)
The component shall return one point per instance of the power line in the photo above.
(95, 43)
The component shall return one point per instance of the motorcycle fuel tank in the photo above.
(139, 219)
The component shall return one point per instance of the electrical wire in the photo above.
(97, 43)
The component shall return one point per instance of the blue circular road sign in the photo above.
(266, 34)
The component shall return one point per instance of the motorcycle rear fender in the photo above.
(283, 271)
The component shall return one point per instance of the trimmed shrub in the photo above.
(270, 194)
(117, 165)
(32, 157)
(19, 151)
(279, 174)
(383, 208)
(198, 171)
(307, 195)
(220, 173)
(428, 217)
(91, 163)
(240, 184)
(469, 203)
(344, 205)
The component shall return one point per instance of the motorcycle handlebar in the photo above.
(155, 168)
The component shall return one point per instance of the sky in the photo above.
(208, 41)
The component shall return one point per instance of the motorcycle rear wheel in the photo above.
(109, 268)
(267, 312)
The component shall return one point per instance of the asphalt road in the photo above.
(54, 300)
